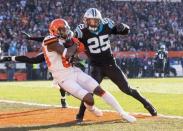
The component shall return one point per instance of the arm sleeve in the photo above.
(121, 29)
(156, 55)
(166, 54)
(38, 39)
(78, 31)
(33, 60)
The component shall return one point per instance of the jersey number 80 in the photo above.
(98, 45)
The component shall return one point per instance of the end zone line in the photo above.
(49, 105)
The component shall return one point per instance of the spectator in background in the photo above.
(151, 23)
(10, 68)
(182, 63)
(23, 48)
(36, 72)
(12, 51)
(133, 67)
(43, 70)
(29, 71)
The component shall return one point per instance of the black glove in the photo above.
(122, 29)
(5, 59)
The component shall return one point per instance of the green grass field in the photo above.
(166, 94)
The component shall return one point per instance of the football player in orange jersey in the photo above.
(71, 78)
(64, 35)
(38, 59)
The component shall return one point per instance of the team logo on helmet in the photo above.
(59, 27)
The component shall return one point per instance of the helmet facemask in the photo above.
(63, 32)
(92, 23)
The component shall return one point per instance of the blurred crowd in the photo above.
(151, 23)
(135, 67)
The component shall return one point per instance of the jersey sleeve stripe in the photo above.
(79, 33)
(111, 24)
(50, 41)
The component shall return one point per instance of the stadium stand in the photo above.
(152, 23)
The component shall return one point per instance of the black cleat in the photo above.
(79, 119)
(63, 103)
(151, 109)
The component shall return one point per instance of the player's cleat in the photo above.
(63, 103)
(97, 112)
(151, 109)
(128, 117)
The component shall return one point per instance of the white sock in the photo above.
(63, 97)
(90, 108)
(109, 99)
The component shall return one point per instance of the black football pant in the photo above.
(114, 73)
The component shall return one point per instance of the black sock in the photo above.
(62, 92)
(139, 97)
(81, 110)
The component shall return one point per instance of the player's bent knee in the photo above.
(99, 91)
(131, 91)
(88, 98)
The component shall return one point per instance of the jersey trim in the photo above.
(50, 41)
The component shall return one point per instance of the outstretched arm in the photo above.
(29, 37)
(121, 29)
(33, 60)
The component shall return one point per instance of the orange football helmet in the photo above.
(59, 27)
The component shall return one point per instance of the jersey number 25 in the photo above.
(98, 45)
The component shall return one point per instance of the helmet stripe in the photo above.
(95, 12)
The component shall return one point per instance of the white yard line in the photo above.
(49, 105)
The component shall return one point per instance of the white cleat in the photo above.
(128, 117)
(97, 112)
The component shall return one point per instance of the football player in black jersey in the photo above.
(160, 61)
(94, 33)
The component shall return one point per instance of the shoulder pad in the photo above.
(50, 40)
(48, 37)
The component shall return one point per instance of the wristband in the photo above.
(13, 58)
